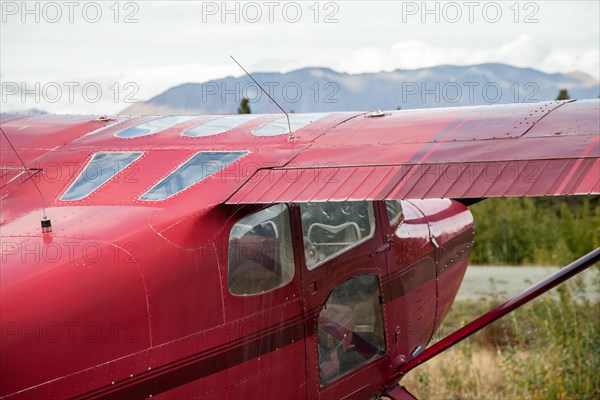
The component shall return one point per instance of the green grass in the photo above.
(536, 231)
(548, 349)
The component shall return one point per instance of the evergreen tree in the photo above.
(244, 107)
(563, 95)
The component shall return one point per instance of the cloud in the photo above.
(156, 79)
(523, 51)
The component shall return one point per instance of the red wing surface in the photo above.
(541, 149)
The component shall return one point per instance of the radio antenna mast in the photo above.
(46, 223)
(290, 137)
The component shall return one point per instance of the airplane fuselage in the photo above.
(226, 257)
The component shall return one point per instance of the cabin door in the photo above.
(343, 267)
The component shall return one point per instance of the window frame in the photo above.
(137, 155)
(232, 124)
(283, 245)
(279, 126)
(398, 217)
(243, 153)
(372, 219)
(382, 351)
(183, 119)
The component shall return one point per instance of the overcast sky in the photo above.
(141, 48)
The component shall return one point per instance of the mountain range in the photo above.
(323, 89)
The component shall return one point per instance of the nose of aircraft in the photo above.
(58, 296)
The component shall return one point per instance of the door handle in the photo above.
(389, 242)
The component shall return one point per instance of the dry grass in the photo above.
(549, 349)
(460, 374)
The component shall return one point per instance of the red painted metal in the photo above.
(128, 298)
(519, 150)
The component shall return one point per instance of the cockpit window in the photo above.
(219, 125)
(152, 127)
(197, 168)
(394, 210)
(350, 328)
(101, 168)
(331, 228)
(260, 252)
(280, 125)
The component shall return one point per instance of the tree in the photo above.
(244, 107)
(563, 95)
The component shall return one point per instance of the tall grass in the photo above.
(548, 349)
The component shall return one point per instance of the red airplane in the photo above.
(227, 257)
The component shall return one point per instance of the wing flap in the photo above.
(467, 180)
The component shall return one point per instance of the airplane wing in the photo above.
(541, 149)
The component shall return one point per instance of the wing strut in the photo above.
(524, 297)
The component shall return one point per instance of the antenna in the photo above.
(46, 223)
(290, 137)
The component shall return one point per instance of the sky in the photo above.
(99, 57)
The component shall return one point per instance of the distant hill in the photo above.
(29, 111)
(322, 89)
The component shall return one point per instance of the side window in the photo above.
(260, 252)
(199, 167)
(331, 228)
(394, 209)
(350, 328)
(102, 167)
